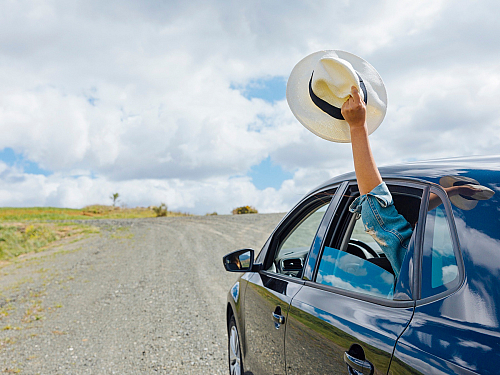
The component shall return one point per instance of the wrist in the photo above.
(358, 128)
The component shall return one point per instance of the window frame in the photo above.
(441, 193)
(339, 225)
(290, 222)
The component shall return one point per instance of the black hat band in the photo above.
(327, 107)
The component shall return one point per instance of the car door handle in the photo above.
(278, 319)
(360, 367)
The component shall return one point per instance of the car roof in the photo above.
(476, 167)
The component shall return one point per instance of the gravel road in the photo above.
(144, 296)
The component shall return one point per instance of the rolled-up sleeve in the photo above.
(383, 222)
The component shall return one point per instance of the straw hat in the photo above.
(466, 203)
(321, 82)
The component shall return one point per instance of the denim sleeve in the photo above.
(383, 222)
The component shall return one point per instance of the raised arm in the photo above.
(465, 190)
(367, 174)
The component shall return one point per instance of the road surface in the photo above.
(145, 296)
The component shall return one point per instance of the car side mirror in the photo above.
(239, 261)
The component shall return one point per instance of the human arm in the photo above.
(465, 190)
(382, 221)
(380, 218)
(367, 174)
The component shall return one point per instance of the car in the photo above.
(321, 297)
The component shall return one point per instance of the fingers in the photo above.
(354, 110)
(355, 94)
(354, 99)
(347, 105)
(468, 190)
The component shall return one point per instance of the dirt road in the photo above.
(144, 296)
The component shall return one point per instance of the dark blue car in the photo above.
(322, 298)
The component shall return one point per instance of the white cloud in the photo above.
(216, 194)
(138, 94)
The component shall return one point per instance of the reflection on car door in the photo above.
(323, 325)
(434, 327)
(266, 303)
(269, 292)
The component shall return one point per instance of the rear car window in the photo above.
(439, 263)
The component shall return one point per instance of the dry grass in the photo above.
(8, 214)
(22, 238)
(26, 230)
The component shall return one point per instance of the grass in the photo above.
(25, 230)
(9, 214)
(34, 312)
(22, 238)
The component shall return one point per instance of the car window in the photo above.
(358, 264)
(346, 271)
(353, 260)
(296, 241)
(439, 264)
(359, 236)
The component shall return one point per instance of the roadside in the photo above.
(143, 296)
(25, 230)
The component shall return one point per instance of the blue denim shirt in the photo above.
(383, 222)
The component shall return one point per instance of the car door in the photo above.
(350, 310)
(268, 292)
(454, 328)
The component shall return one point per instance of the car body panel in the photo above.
(324, 324)
(264, 351)
(441, 345)
(455, 332)
(477, 167)
(460, 333)
(268, 293)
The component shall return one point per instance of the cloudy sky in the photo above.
(183, 102)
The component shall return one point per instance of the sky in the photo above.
(183, 102)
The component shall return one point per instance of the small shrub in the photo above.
(114, 197)
(161, 210)
(211, 214)
(245, 210)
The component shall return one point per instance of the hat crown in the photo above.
(320, 84)
(332, 80)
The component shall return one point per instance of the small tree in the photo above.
(114, 198)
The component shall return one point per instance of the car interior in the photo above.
(351, 238)
(357, 242)
(294, 245)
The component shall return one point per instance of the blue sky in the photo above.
(270, 89)
(184, 102)
(268, 174)
(12, 159)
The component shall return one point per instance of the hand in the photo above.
(354, 110)
(467, 190)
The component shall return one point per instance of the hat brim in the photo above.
(321, 123)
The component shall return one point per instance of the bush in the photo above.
(211, 214)
(245, 210)
(161, 210)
